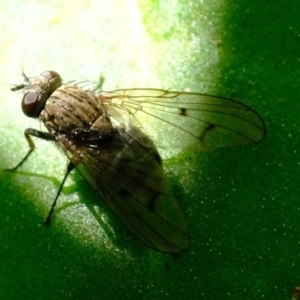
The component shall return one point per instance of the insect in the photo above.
(106, 137)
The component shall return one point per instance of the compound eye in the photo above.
(29, 104)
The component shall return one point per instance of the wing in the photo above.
(180, 120)
(127, 172)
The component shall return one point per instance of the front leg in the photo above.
(36, 133)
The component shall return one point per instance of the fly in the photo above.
(106, 137)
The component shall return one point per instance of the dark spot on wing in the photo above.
(210, 127)
(153, 204)
(182, 111)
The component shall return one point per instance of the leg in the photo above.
(36, 133)
(69, 169)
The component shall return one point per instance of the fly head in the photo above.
(37, 90)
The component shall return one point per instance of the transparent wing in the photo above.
(180, 120)
(126, 171)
